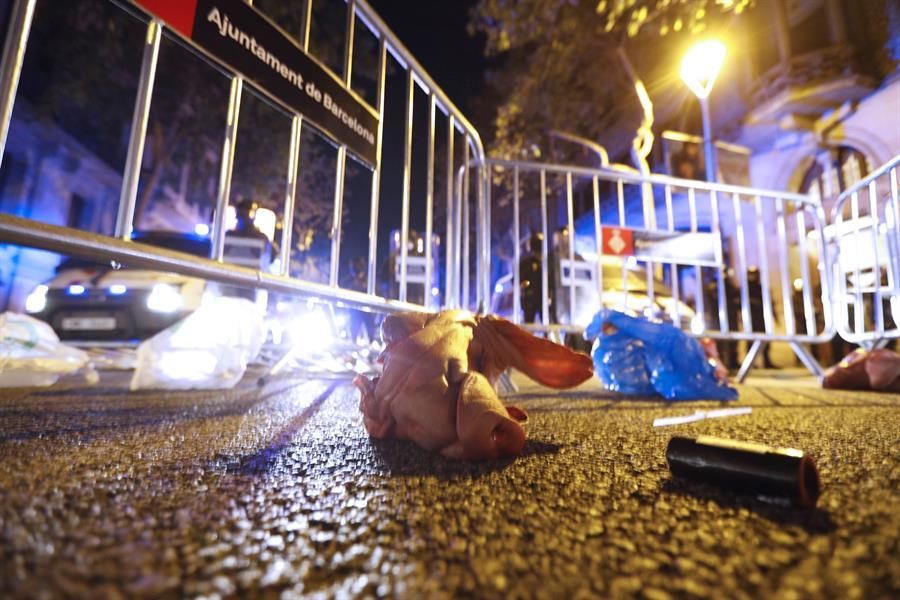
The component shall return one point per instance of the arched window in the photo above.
(832, 171)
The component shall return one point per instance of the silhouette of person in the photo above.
(530, 278)
(757, 318)
(246, 245)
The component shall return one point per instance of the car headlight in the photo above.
(164, 298)
(37, 299)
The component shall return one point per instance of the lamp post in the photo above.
(699, 69)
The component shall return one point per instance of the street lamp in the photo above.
(699, 69)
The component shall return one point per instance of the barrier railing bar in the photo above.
(337, 219)
(349, 33)
(450, 243)
(376, 172)
(876, 263)
(483, 241)
(700, 298)
(545, 276)
(138, 135)
(858, 313)
(407, 175)
(742, 263)
(722, 271)
(64, 240)
(598, 237)
(290, 200)
(570, 230)
(306, 24)
(517, 254)
(670, 220)
(620, 195)
(17, 34)
(610, 174)
(786, 285)
(648, 208)
(762, 248)
(341, 162)
(894, 234)
(805, 274)
(290, 197)
(226, 168)
(429, 201)
(464, 216)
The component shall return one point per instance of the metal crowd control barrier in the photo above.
(634, 231)
(276, 62)
(865, 231)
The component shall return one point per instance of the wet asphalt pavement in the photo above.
(278, 492)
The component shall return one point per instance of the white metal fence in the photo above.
(865, 232)
(460, 144)
(727, 262)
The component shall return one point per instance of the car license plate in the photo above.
(89, 323)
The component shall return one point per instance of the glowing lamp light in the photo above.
(701, 65)
(76, 289)
(117, 289)
(201, 229)
(164, 298)
(37, 299)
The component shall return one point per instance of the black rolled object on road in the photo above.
(746, 468)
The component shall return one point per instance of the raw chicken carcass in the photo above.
(437, 388)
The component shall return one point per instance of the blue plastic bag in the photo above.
(641, 357)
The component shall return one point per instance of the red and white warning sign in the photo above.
(618, 241)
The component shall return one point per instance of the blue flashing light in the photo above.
(76, 289)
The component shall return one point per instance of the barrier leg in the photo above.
(748, 360)
(506, 383)
(808, 360)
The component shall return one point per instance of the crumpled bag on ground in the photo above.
(641, 357)
(31, 353)
(208, 349)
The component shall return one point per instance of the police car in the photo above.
(91, 301)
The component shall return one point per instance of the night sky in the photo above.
(435, 33)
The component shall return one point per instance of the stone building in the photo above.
(48, 176)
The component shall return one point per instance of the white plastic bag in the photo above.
(209, 349)
(31, 353)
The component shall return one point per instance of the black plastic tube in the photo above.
(746, 467)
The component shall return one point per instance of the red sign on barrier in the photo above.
(617, 241)
(179, 14)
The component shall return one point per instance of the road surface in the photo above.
(278, 492)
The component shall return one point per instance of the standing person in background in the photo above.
(531, 280)
(757, 319)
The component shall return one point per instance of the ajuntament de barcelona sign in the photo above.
(241, 38)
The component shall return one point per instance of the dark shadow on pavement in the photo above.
(401, 458)
(814, 520)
